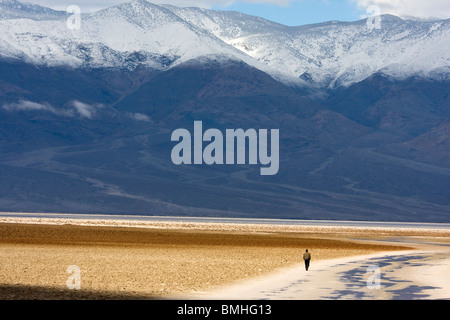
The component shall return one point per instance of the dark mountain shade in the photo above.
(98, 141)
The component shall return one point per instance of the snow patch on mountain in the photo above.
(325, 55)
(12, 9)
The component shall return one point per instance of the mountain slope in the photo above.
(410, 106)
(335, 54)
(331, 54)
(117, 160)
(13, 9)
(86, 116)
(124, 36)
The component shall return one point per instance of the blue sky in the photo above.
(288, 12)
(301, 12)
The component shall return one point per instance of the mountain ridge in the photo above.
(327, 55)
(86, 115)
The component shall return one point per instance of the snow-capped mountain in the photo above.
(120, 36)
(87, 114)
(334, 53)
(330, 54)
(12, 9)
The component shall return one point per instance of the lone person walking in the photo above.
(307, 258)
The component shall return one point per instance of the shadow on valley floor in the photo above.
(24, 292)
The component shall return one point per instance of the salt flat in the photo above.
(420, 273)
(168, 259)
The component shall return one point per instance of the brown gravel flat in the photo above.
(158, 260)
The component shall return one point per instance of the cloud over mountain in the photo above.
(412, 8)
(71, 109)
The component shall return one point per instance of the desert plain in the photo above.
(165, 260)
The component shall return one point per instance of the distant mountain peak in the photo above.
(331, 54)
(13, 9)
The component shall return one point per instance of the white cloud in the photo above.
(83, 109)
(24, 105)
(140, 117)
(73, 108)
(415, 8)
